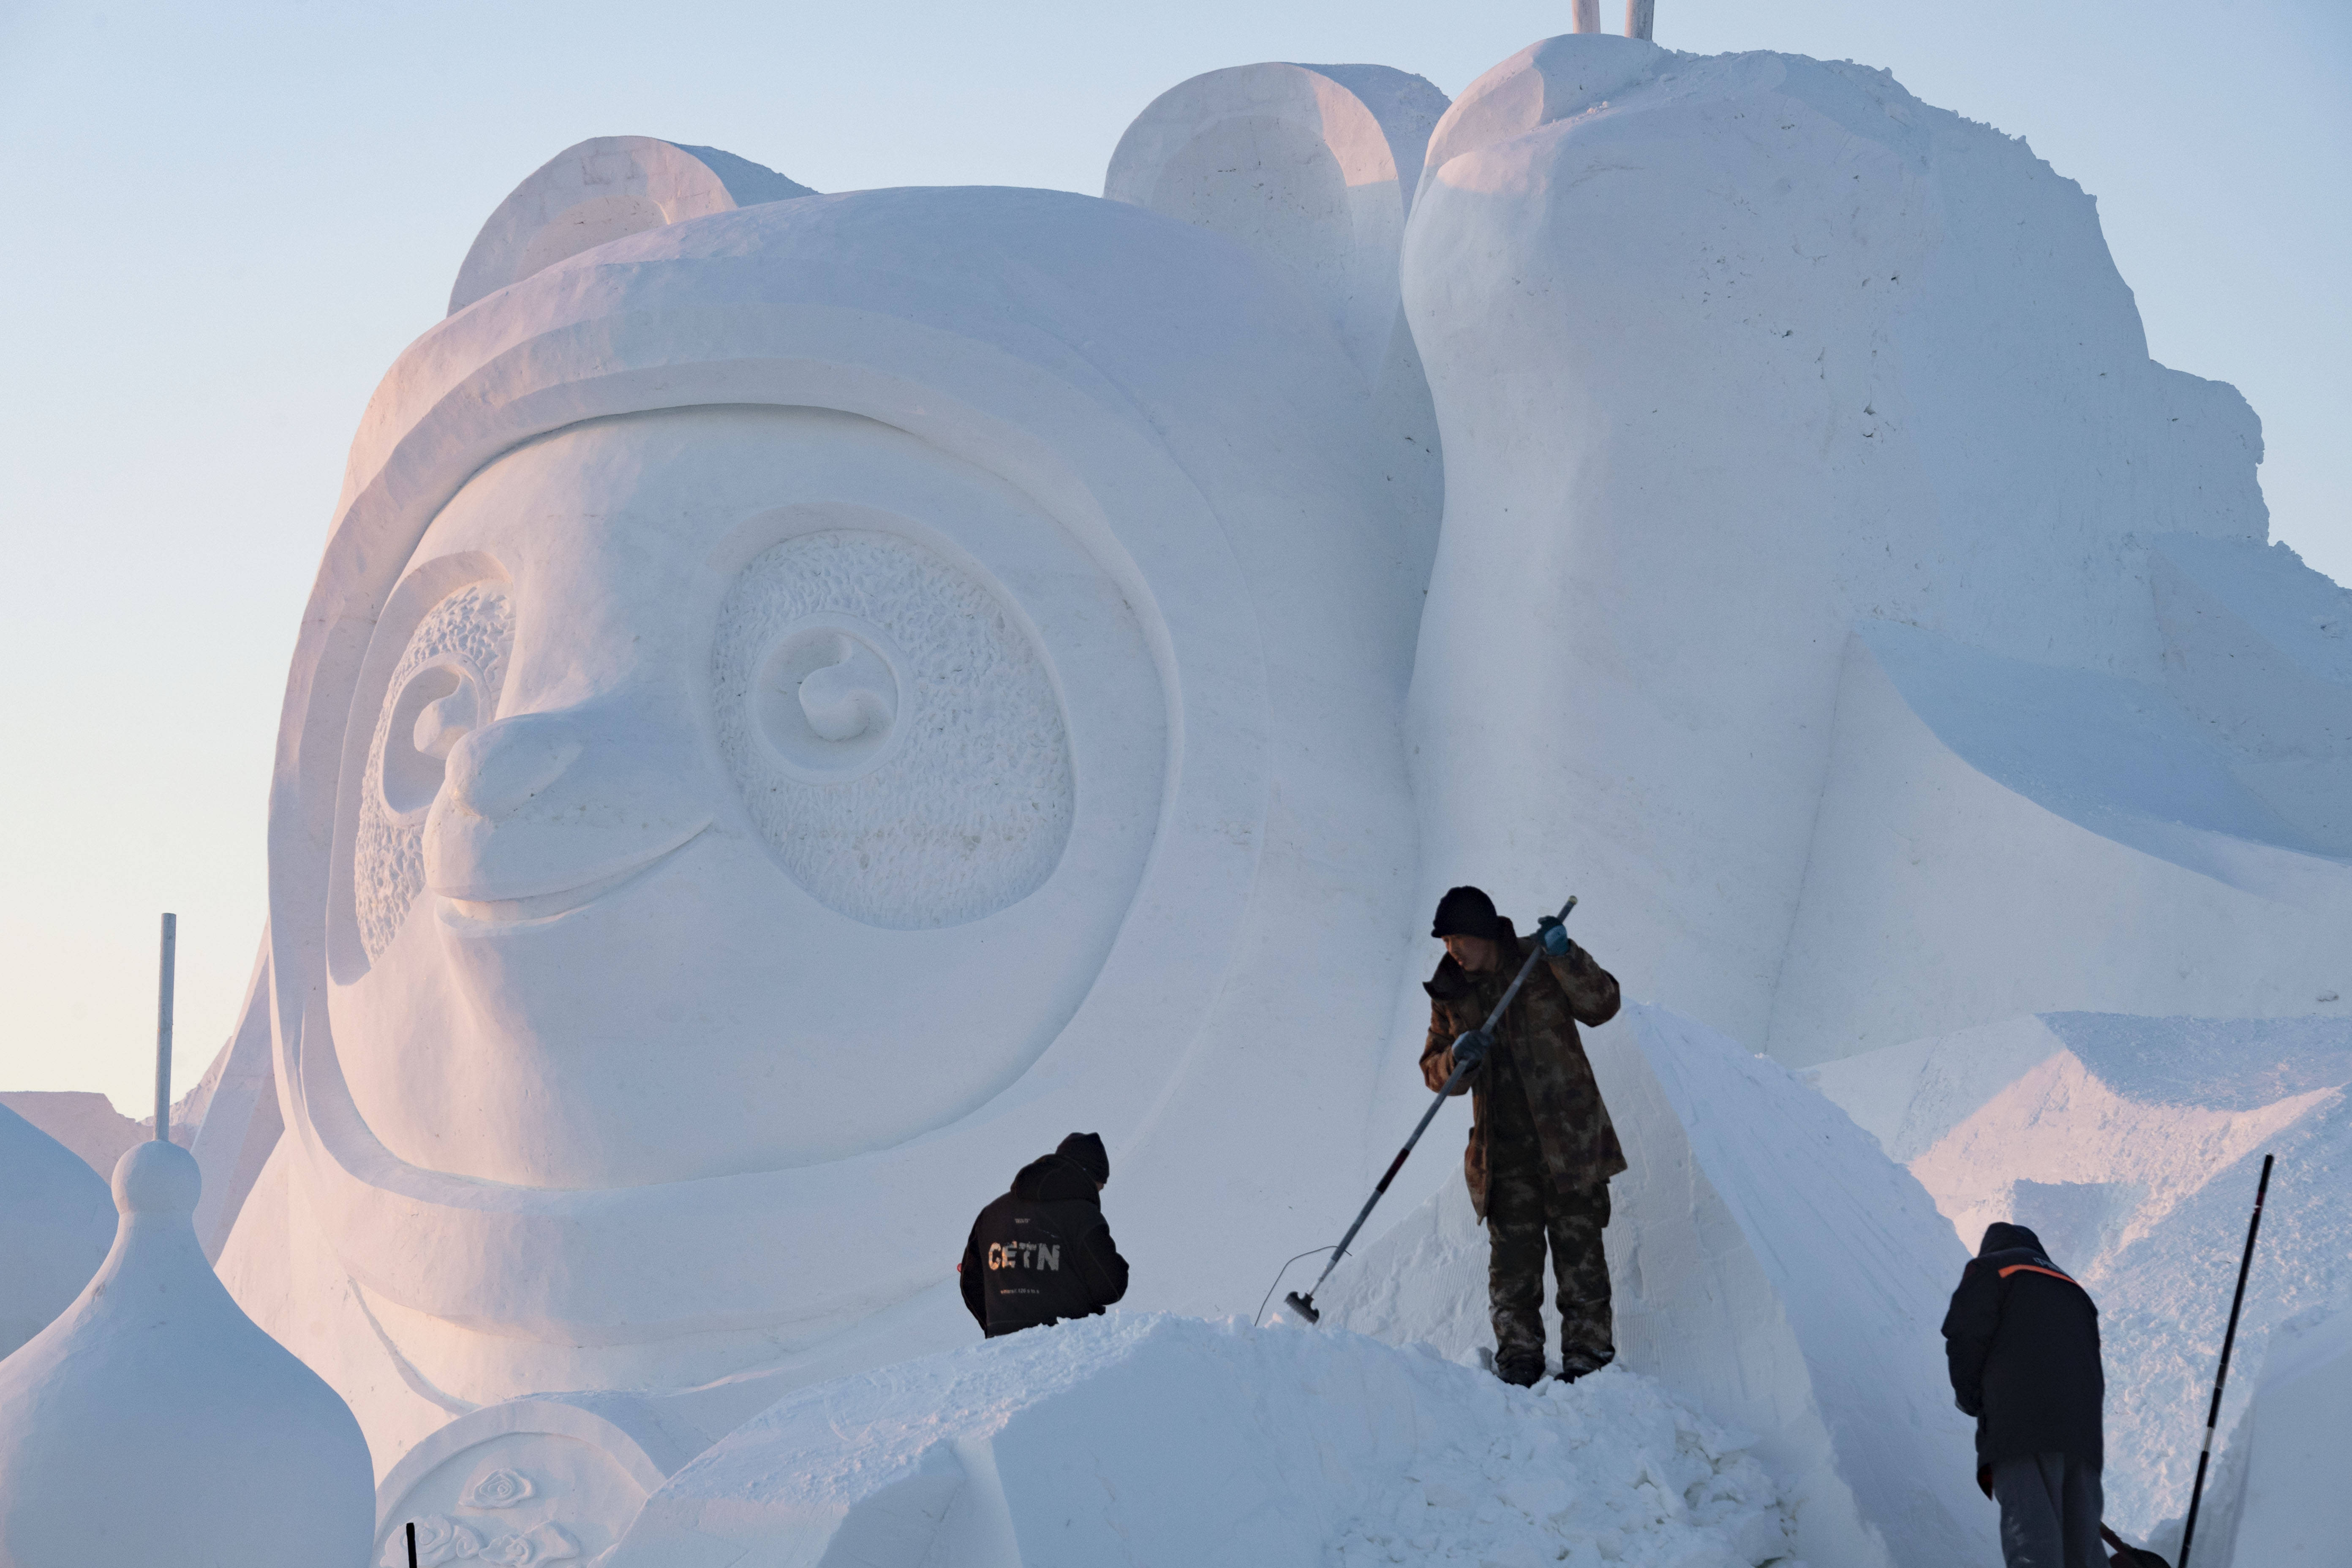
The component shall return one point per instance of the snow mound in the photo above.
(1155, 1439)
(2133, 1146)
(56, 1220)
(1770, 1264)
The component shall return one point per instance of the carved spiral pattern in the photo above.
(895, 734)
(469, 636)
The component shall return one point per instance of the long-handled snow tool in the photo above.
(2229, 1339)
(1470, 1048)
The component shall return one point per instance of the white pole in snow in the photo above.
(1639, 14)
(163, 1034)
(1587, 16)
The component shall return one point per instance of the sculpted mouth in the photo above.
(482, 911)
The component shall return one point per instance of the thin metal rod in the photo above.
(164, 1032)
(1435, 1105)
(2221, 1378)
(412, 1544)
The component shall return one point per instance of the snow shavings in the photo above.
(1610, 1469)
(1159, 1440)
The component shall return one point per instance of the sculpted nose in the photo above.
(494, 769)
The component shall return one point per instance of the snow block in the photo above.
(2280, 1496)
(1770, 1265)
(1165, 1440)
(1999, 837)
(1754, 700)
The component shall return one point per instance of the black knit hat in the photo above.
(1465, 911)
(1086, 1149)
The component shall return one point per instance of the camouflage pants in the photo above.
(1523, 1211)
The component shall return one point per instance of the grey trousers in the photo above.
(2049, 1512)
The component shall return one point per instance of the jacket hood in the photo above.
(2002, 1236)
(1057, 1178)
(1086, 1149)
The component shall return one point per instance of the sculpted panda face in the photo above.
(801, 706)
(742, 789)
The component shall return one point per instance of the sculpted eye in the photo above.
(826, 698)
(895, 732)
(447, 683)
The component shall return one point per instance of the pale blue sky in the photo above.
(230, 217)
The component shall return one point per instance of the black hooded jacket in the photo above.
(1042, 1252)
(2023, 1341)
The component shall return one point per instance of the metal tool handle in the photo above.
(2221, 1378)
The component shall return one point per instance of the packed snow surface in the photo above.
(1155, 1439)
(2133, 1147)
(1768, 1263)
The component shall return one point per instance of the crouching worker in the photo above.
(1042, 1252)
(2023, 1342)
(1541, 1145)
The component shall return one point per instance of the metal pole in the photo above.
(2229, 1339)
(164, 1033)
(1585, 17)
(1639, 16)
(412, 1544)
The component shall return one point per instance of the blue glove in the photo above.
(1554, 936)
(1470, 1048)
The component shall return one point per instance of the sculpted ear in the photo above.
(601, 190)
(1308, 168)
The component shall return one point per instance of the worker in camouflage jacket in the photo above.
(1541, 1146)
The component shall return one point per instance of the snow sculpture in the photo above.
(53, 1229)
(1770, 1265)
(809, 698)
(234, 1113)
(604, 189)
(1311, 169)
(801, 707)
(2131, 1146)
(1803, 452)
(1027, 1451)
(154, 1423)
(530, 1481)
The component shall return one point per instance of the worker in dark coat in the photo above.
(1042, 1252)
(2023, 1341)
(1542, 1148)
